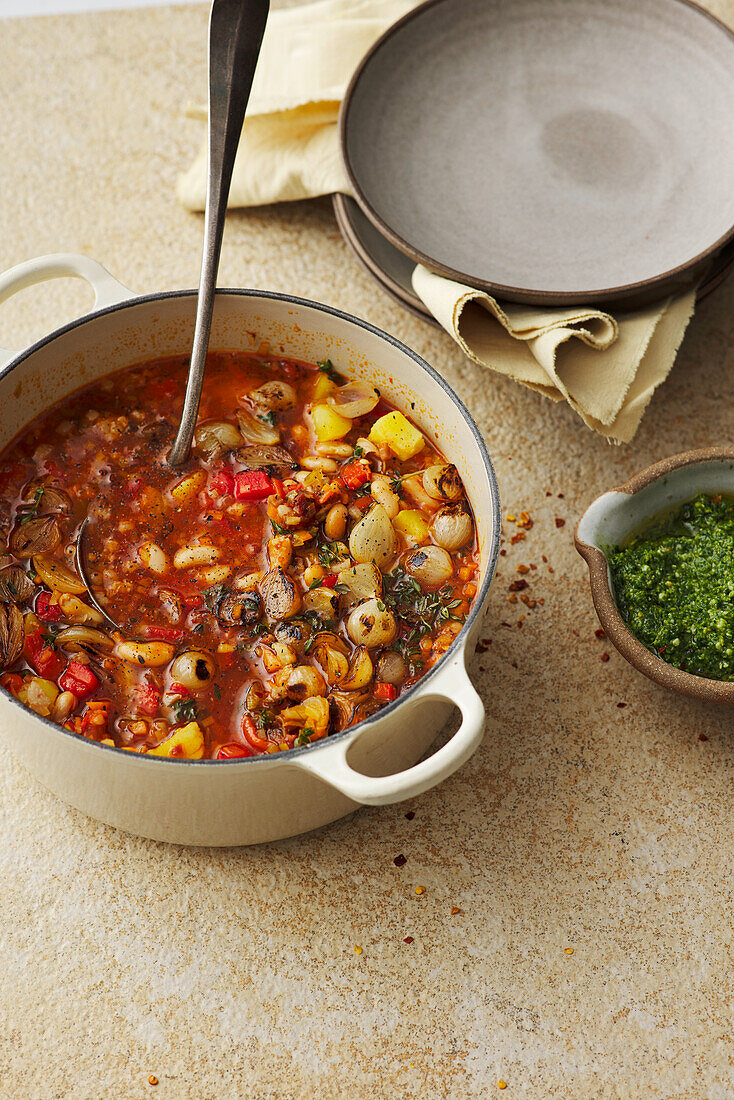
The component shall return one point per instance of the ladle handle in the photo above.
(236, 29)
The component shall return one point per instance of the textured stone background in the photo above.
(578, 823)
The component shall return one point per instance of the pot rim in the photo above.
(459, 643)
(619, 634)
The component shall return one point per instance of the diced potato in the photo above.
(187, 490)
(328, 424)
(39, 694)
(411, 524)
(322, 387)
(403, 439)
(188, 741)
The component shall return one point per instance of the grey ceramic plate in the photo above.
(548, 151)
(392, 269)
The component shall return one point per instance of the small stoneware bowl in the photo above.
(624, 510)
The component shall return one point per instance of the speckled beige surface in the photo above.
(579, 823)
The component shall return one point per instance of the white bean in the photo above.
(153, 557)
(334, 450)
(384, 495)
(186, 557)
(313, 462)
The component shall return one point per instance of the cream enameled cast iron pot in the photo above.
(256, 799)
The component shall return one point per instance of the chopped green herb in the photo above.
(418, 612)
(265, 719)
(29, 511)
(674, 586)
(217, 691)
(277, 529)
(327, 367)
(327, 553)
(304, 737)
(213, 597)
(184, 710)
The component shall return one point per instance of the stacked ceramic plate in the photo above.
(549, 152)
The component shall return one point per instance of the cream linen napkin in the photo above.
(607, 369)
(290, 146)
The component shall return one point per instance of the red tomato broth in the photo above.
(105, 448)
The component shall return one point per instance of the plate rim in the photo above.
(711, 282)
(370, 265)
(501, 290)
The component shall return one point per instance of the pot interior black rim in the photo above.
(479, 599)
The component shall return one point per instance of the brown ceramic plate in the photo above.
(622, 511)
(548, 151)
(393, 270)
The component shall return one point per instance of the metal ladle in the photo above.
(236, 29)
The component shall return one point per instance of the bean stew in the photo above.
(316, 556)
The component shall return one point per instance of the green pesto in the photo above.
(674, 586)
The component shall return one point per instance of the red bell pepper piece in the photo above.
(252, 485)
(179, 689)
(222, 482)
(79, 679)
(46, 611)
(259, 744)
(355, 474)
(162, 633)
(232, 751)
(329, 581)
(12, 682)
(46, 662)
(194, 599)
(385, 692)
(148, 699)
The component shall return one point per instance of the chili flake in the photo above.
(560, 522)
(501, 1084)
(411, 813)
(454, 910)
(400, 860)
(605, 656)
(408, 939)
(568, 951)
(357, 949)
(152, 1079)
(420, 890)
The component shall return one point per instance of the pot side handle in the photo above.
(329, 762)
(107, 290)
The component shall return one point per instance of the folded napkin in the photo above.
(607, 368)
